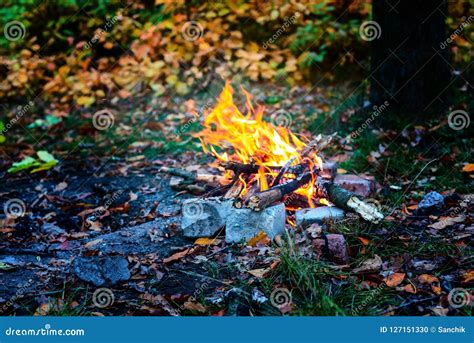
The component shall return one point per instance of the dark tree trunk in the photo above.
(409, 65)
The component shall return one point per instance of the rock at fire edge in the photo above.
(308, 216)
(355, 184)
(243, 224)
(204, 217)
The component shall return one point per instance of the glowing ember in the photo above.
(249, 139)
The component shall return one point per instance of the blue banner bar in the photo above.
(237, 329)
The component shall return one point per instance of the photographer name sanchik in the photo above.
(422, 329)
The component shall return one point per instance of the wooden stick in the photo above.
(318, 144)
(250, 168)
(348, 201)
(261, 200)
(191, 176)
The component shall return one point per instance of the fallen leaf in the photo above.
(394, 279)
(160, 300)
(468, 168)
(178, 255)
(427, 279)
(410, 289)
(436, 289)
(259, 273)
(363, 240)
(92, 243)
(469, 276)
(193, 306)
(260, 237)
(370, 265)
(60, 186)
(447, 221)
(207, 241)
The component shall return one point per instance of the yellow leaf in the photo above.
(207, 241)
(260, 237)
(181, 88)
(85, 100)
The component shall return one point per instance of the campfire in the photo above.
(261, 165)
(266, 163)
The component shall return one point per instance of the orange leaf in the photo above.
(363, 240)
(428, 279)
(436, 289)
(178, 255)
(395, 279)
(469, 276)
(260, 237)
(409, 289)
(468, 168)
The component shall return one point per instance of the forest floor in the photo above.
(105, 218)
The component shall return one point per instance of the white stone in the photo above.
(243, 224)
(204, 217)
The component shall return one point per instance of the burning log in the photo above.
(263, 199)
(250, 168)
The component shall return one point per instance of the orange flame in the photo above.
(252, 140)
